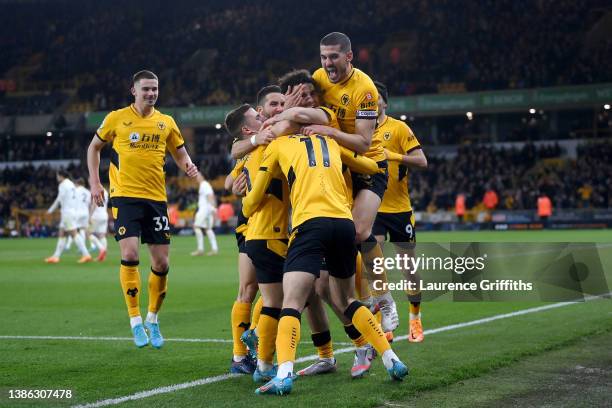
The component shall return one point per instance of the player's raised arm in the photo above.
(93, 165)
(267, 168)
(357, 162)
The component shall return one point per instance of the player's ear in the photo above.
(349, 56)
(133, 90)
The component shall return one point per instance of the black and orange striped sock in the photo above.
(323, 342)
(366, 323)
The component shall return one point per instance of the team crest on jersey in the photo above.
(387, 135)
(161, 125)
(121, 231)
(368, 96)
(345, 99)
(134, 137)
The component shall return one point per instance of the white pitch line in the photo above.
(210, 380)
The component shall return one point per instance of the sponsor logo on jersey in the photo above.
(134, 137)
(127, 124)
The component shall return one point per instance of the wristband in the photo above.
(253, 141)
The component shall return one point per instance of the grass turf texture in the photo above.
(85, 300)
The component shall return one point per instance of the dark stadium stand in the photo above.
(415, 47)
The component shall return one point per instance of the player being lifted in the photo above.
(352, 95)
(322, 228)
(140, 137)
(205, 217)
(67, 200)
(395, 217)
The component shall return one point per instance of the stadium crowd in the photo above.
(486, 45)
(517, 175)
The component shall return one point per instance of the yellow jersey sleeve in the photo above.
(106, 131)
(366, 100)
(237, 169)
(175, 138)
(409, 141)
(357, 162)
(268, 167)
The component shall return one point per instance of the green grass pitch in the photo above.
(67, 299)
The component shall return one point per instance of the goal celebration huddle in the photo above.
(323, 173)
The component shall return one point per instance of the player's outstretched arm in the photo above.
(300, 115)
(183, 161)
(359, 141)
(54, 205)
(357, 162)
(415, 158)
(243, 147)
(93, 165)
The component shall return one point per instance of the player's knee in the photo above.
(160, 264)
(130, 255)
(362, 232)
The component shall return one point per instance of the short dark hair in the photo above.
(337, 38)
(382, 91)
(293, 78)
(234, 120)
(63, 173)
(80, 181)
(144, 74)
(265, 91)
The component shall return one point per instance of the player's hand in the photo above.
(270, 122)
(264, 137)
(97, 193)
(318, 130)
(191, 170)
(293, 96)
(239, 186)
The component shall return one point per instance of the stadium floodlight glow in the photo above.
(469, 115)
(532, 111)
(218, 126)
(607, 106)
(403, 117)
(49, 134)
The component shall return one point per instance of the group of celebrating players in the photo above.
(324, 175)
(321, 151)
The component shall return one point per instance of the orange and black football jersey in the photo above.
(354, 98)
(312, 166)
(271, 220)
(397, 137)
(139, 146)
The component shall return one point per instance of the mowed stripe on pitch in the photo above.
(211, 380)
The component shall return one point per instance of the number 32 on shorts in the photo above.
(161, 223)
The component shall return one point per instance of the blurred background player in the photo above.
(205, 217)
(67, 200)
(140, 136)
(99, 227)
(83, 201)
(395, 217)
